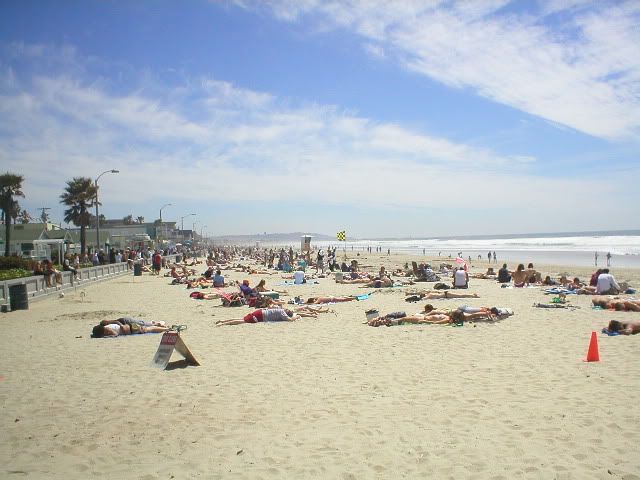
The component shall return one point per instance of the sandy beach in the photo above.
(319, 398)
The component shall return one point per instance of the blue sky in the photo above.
(409, 118)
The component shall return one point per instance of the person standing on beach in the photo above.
(596, 256)
(495, 259)
(608, 259)
(489, 256)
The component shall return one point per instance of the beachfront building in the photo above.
(40, 240)
(137, 236)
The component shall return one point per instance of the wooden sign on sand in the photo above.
(172, 341)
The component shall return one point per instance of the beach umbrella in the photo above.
(462, 261)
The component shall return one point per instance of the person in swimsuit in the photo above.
(262, 315)
(126, 326)
(319, 300)
(624, 328)
(618, 304)
(434, 294)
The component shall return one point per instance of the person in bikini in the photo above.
(435, 294)
(126, 326)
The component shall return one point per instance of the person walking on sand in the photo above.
(608, 259)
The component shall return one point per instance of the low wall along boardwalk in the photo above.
(36, 286)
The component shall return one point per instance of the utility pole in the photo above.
(44, 216)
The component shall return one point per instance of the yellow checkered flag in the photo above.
(342, 236)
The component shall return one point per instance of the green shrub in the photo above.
(10, 274)
(13, 262)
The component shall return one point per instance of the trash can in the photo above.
(178, 258)
(137, 270)
(18, 297)
(339, 276)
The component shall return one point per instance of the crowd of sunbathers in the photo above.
(267, 307)
(430, 315)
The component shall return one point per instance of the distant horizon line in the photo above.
(584, 233)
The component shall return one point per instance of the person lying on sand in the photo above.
(434, 294)
(263, 315)
(624, 328)
(619, 304)
(127, 326)
(312, 311)
(383, 282)
(319, 300)
(364, 280)
(439, 317)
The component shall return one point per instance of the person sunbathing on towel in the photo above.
(127, 326)
(262, 315)
(310, 311)
(619, 304)
(365, 280)
(439, 317)
(433, 294)
(383, 282)
(319, 300)
(624, 328)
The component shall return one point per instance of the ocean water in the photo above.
(561, 249)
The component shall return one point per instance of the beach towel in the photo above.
(557, 291)
(606, 331)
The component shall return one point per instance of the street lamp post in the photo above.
(165, 205)
(97, 204)
(193, 231)
(182, 224)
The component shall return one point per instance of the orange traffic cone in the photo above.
(593, 355)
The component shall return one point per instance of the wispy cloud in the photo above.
(205, 140)
(574, 63)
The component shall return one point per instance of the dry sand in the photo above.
(318, 398)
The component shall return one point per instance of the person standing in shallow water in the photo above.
(608, 259)
(596, 258)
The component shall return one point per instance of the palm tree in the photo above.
(128, 220)
(140, 220)
(24, 217)
(10, 187)
(80, 196)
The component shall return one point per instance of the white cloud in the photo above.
(574, 63)
(207, 141)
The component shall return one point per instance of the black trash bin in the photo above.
(18, 297)
(178, 258)
(137, 270)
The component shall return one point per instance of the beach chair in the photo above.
(233, 299)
